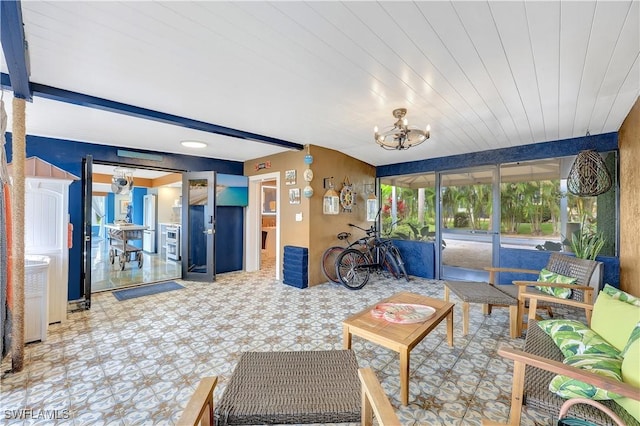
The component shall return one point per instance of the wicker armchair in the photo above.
(583, 290)
(200, 408)
(537, 364)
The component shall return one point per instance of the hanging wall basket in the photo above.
(588, 176)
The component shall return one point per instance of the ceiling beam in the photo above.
(67, 96)
(14, 46)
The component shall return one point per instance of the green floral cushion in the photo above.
(603, 365)
(575, 338)
(631, 372)
(621, 295)
(635, 336)
(547, 276)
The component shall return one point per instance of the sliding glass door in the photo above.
(469, 223)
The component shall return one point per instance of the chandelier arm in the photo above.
(401, 136)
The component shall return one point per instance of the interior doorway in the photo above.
(262, 250)
(122, 256)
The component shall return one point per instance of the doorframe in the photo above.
(210, 227)
(253, 223)
(470, 274)
(123, 164)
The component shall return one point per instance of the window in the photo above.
(408, 207)
(538, 212)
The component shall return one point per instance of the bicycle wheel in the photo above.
(328, 265)
(389, 263)
(400, 262)
(350, 270)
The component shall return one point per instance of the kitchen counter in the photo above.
(126, 227)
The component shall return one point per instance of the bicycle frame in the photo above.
(375, 253)
(370, 253)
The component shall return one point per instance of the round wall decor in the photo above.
(308, 175)
(307, 191)
(347, 196)
(308, 159)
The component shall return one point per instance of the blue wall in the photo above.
(419, 257)
(68, 156)
(229, 238)
(561, 148)
(110, 207)
(137, 210)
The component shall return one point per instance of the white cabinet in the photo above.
(46, 232)
(36, 289)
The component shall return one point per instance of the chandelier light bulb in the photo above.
(400, 135)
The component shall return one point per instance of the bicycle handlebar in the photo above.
(370, 231)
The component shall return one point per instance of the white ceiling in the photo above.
(484, 75)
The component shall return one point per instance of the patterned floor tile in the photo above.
(137, 362)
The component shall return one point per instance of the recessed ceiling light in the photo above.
(193, 144)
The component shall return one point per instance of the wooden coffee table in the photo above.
(399, 337)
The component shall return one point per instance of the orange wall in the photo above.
(316, 231)
(629, 144)
(324, 228)
(291, 233)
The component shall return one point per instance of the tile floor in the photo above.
(137, 362)
(106, 276)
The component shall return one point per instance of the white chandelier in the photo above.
(401, 136)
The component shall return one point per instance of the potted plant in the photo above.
(586, 243)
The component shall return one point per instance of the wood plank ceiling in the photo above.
(484, 75)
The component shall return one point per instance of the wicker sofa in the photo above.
(541, 360)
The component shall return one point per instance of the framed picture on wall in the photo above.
(372, 209)
(269, 200)
(290, 177)
(294, 196)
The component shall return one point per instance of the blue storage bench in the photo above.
(296, 266)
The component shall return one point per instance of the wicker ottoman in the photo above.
(292, 388)
(485, 293)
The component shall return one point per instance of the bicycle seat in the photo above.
(344, 235)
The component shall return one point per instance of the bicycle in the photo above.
(396, 254)
(398, 257)
(330, 255)
(353, 266)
